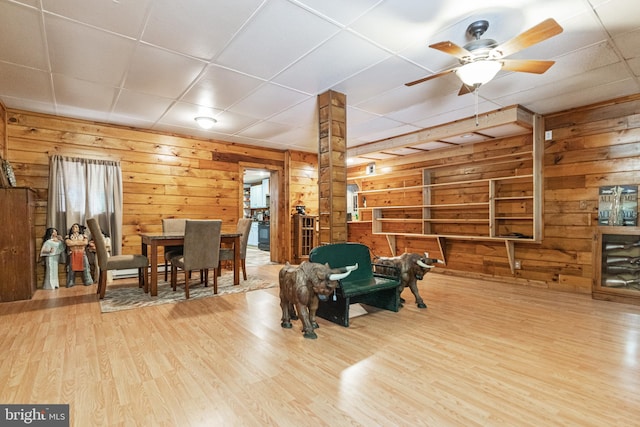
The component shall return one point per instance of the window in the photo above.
(86, 188)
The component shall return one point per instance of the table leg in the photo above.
(153, 285)
(236, 261)
(146, 274)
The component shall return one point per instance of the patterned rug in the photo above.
(129, 296)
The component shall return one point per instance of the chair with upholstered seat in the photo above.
(201, 252)
(172, 226)
(226, 254)
(115, 262)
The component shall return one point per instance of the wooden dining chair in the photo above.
(115, 262)
(201, 252)
(226, 254)
(172, 226)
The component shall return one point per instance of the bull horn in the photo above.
(423, 265)
(340, 276)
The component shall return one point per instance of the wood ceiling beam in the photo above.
(492, 119)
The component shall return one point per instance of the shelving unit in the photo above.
(494, 195)
(305, 236)
(246, 201)
(616, 263)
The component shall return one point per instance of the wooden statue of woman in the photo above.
(52, 247)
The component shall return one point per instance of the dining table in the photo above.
(151, 241)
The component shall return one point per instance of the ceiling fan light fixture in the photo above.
(479, 72)
(205, 122)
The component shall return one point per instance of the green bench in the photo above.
(361, 286)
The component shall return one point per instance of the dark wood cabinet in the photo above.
(616, 264)
(305, 236)
(17, 244)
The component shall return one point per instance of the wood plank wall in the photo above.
(591, 146)
(163, 175)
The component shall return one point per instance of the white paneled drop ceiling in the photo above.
(257, 66)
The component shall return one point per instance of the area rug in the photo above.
(130, 296)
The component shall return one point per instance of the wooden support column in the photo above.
(332, 167)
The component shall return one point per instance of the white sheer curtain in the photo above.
(85, 188)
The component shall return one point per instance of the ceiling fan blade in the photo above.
(433, 76)
(544, 30)
(465, 89)
(452, 49)
(526, 65)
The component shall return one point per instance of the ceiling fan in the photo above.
(481, 59)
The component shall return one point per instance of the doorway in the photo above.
(256, 185)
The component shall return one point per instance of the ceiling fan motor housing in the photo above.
(479, 47)
(477, 29)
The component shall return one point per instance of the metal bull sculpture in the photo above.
(412, 268)
(301, 287)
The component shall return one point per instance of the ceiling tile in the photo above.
(619, 16)
(220, 88)
(145, 107)
(629, 44)
(78, 94)
(87, 53)
(396, 24)
(27, 83)
(258, 49)
(304, 114)
(162, 73)
(21, 41)
(268, 100)
(375, 125)
(184, 114)
(331, 63)
(305, 138)
(231, 123)
(339, 10)
(585, 96)
(388, 74)
(121, 17)
(199, 28)
(267, 130)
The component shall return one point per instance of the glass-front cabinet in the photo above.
(616, 264)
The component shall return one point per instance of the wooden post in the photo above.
(332, 167)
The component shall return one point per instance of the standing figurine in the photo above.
(615, 217)
(52, 247)
(77, 242)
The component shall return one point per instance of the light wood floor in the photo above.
(483, 353)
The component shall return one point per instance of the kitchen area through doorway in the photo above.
(256, 205)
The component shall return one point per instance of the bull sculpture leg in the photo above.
(308, 317)
(413, 285)
(286, 313)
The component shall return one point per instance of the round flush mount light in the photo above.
(206, 122)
